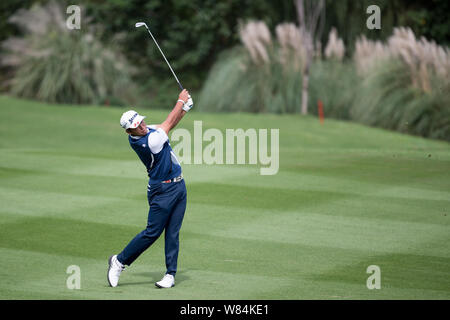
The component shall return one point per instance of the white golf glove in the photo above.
(188, 105)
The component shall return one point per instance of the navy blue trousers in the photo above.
(167, 206)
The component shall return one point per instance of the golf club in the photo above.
(140, 24)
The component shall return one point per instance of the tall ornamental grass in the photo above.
(55, 64)
(402, 84)
(262, 76)
(405, 85)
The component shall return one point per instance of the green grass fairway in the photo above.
(72, 192)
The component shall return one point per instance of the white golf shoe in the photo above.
(167, 281)
(114, 270)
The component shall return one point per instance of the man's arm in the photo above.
(176, 114)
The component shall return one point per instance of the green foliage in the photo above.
(191, 32)
(349, 18)
(428, 19)
(7, 7)
(387, 99)
(425, 18)
(78, 70)
(54, 64)
(333, 82)
(237, 84)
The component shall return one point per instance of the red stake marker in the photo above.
(320, 109)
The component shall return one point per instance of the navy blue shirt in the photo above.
(156, 154)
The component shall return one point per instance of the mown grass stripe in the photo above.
(346, 196)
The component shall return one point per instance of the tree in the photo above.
(311, 18)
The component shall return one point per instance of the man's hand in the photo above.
(184, 96)
(189, 104)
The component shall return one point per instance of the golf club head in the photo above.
(140, 24)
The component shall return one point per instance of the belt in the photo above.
(179, 178)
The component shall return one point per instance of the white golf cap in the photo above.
(131, 119)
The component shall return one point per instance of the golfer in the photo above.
(166, 190)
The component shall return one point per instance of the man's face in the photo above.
(141, 130)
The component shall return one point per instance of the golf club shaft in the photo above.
(164, 57)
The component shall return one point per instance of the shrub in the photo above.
(405, 85)
(334, 83)
(262, 76)
(54, 64)
(401, 85)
